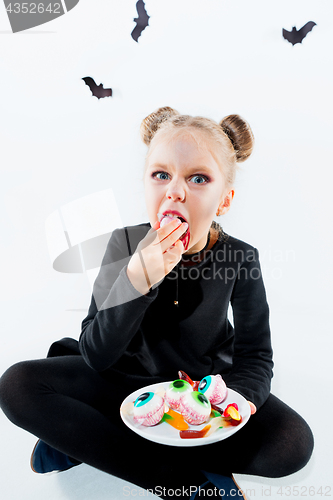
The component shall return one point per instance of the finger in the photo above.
(175, 236)
(173, 256)
(156, 234)
(178, 245)
(171, 262)
(252, 407)
(166, 230)
(171, 238)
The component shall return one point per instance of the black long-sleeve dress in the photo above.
(151, 336)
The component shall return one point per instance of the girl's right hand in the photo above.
(156, 255)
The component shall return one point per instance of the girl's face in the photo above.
(183, 178)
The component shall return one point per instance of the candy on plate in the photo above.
(148, 409)
(214, 388)
(176, 390)
(195, 408)
(232, 412)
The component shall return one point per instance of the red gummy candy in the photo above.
(217, 408)
(194, 434)
(226, 413)
(235, 405)
(196, 385)
(183, 376)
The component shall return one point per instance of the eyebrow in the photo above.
(201, 168)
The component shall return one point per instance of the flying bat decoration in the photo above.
(97, 90)
(297, 36)
(142, 21)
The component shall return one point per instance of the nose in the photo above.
(175, 191)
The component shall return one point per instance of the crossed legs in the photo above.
(76, 411)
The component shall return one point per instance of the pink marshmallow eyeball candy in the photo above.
(195, 408)
(214, 388)
(175, 392)
(166, 220)
(148, 409)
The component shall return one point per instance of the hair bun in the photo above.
(152, 122)
(240, 135)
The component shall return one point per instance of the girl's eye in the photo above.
(199, 179)
(196, 179)
(163, 176)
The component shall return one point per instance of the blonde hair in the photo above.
(232, 138)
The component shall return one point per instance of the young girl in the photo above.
(160, 305)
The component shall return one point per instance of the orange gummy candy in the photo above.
(175, 419)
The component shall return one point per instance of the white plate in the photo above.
(164, 433)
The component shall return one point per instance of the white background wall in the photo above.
(58, 144)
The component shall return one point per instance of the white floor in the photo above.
(301, 380)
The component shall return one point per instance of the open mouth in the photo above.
(166, 217)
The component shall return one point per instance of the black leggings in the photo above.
(75, 409)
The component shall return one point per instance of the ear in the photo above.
(225, 203)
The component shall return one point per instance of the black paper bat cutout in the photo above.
(297, 36)
(142, 21)
(97, 90)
